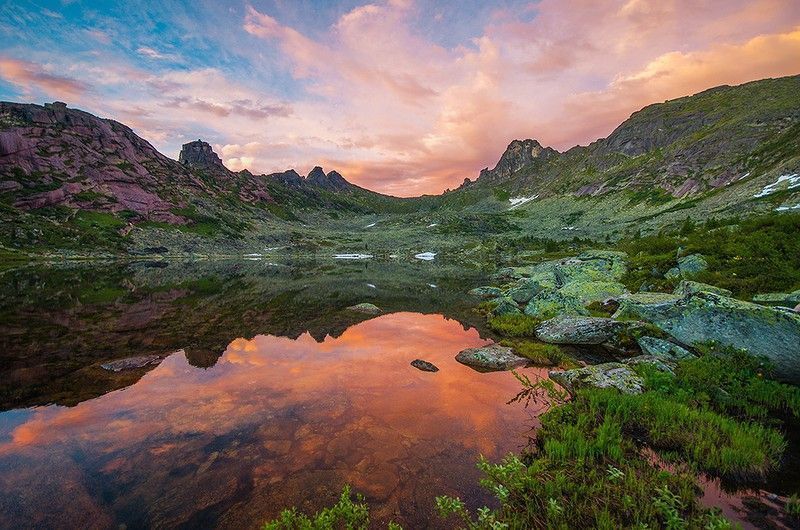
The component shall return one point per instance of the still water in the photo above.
(285, 413)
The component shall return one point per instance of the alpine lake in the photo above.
(249, 387)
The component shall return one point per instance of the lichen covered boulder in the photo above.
(688, 266)
(582, 330)
(365, 307)
(594, 291)
(687, 287)
(490, 358)
(486, 292)
(702, 317)
(663, 349)
(784, 299)
(606, 375)
(551, 302)
(525, 290)
(505, 306)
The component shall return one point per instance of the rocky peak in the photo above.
(200, 155)
(316, 176)
(331, 181)
(517, 155)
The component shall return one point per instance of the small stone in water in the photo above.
(425, 366)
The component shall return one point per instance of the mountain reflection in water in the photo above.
(275, 422)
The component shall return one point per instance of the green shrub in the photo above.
(343, 514)
(540, 353)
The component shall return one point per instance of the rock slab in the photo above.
(490, 358)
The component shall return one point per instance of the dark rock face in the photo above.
(517, 155)
(425, 366)
(332, 181)
(199, 154)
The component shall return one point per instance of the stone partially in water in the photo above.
(425, 366)
(703, 317)
(491, 358)
(606, 375)
(131, 363)
(365, 307)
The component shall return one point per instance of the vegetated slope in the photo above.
(72, 181)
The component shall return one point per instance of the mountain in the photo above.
(72, 183)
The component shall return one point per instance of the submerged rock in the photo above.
(131, 363)
(486, 292)
(551, 302)
(606, 375)
(425, 366)
(663, 349)
(687, 287)
(581, 330)
(688, 266)
(702, 317)
(490, 358)
(365, 307)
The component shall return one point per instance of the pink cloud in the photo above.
(33, 76)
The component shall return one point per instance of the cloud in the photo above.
(33, 77)
(150, 53)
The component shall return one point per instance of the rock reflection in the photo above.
(275, 422)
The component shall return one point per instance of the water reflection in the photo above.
(274, 422)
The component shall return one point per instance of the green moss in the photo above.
(540, 353)
(516, 325)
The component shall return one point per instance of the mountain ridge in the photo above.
(68, 178)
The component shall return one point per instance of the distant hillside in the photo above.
(73, 183)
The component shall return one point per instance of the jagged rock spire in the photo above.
(199, 154)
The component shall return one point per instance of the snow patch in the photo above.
(793, 180)
(432, 286)
(787, 208)
(568, 228)
(370, 225)
(352, 256)
(256, 255)
(432, 225)
(371, 286)
(427, 256)
(393, 256)
(519, 201)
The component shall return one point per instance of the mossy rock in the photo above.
(702, 317)
(505, 306)
(549, 303)
(593, 291)
(688, 266)
(524, 290)
(663, 349)
(486, 292)
(607, 375)
(687, 287)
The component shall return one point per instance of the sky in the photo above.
(401, 96)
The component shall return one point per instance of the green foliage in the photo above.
(344, 514)
(540, 353)
(516, 325)
(760, 254)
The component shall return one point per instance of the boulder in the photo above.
(702, 317)
(687, 287)
(486, 292)
(505, 306)
(656, 362)
(549, 303)
(607, 375)
(688, 266)
(785, 299)
(524, 290)
(663, 349)
(505, 275)
(582, 330)
(594, 291)
(425, 366)
(490, 358)
(365, 307)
